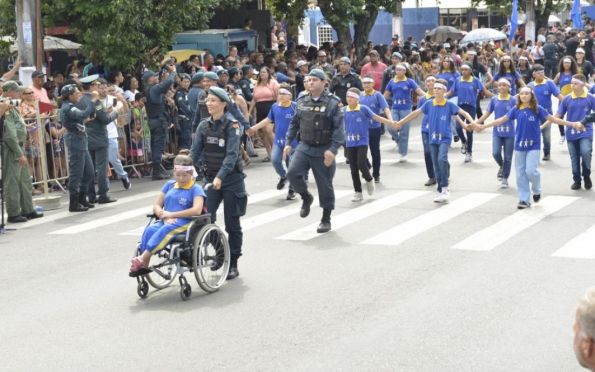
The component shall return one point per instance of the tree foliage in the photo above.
(121, 31)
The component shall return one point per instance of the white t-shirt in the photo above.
(112, 128)
(129, 95)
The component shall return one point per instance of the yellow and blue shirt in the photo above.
(527, 131)
(424, 122)
(564, 83)
(451, 77)
(357, 122)
(513, 79)
(576, 108)
(467, 90)
(501, 107)
(439, 114)
(179, 198)
(401, 90)
(281, 116)
(374, 101)
(544, 92)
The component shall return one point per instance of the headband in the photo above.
(505, 81)
(506, 58)
(580, 50)
(353, 95)
(567, 60)
(523, 58)
(538, 72)
(401, 67)
(440, 85)
(186, 168)
(430, 78)
(472, 53)
(284, 91)
(367, 80)
(526, 89)
(466, 66)
(577, 81)
(449, 59)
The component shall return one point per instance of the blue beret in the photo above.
(318, 73)
(220, 93)
(222, 72)
(186, 76)
(147, 74)
(196, 78)
(211, 75)
(246, 68)
(233, 71)
(68, 89)
(345, 60)
(398, 55)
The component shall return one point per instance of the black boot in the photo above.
(83, 200)
(233, 268)
(159, 174)
(75, 206)
(307, 200)
(325, 223)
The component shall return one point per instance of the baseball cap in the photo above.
(37, 74)
(373, 52)
(12, 85)
(302, 63)
(147, 74)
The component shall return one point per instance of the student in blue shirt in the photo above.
(448, 72)
(508, 70)
(568, 68)
(358, 119)
(430, 80)
(527, 143)
(467, 88)
(503, 135)
(176, 203)
(544, 90)
(375, 102)
(401, 88)
(439, 112)
(577, 106)
(280, 114)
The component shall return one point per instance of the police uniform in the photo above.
(79, 159)
(98, 142)
(321, 127)
(194, 92)
(184, 117)
(246, 84)
(154, 97)
(17, 180)
(341, 83)
(202, 112)
(219, 142)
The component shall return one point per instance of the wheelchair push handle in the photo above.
(207, 186)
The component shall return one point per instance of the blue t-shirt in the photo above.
(564, 83)
(424, 122)
(374, 102)
(501, 107)
(179, 199)
(282, 116)
(401, 91)
(357, 122)
(281, 78)
(450, 77)
(439, 119)
(576, 108)
(527, 132)
(509, 76)
(468, 90)
(544, 92)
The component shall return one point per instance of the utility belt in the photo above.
(21, 144)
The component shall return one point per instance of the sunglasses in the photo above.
(27, 93)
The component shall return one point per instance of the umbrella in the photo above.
(51, 44)
(553, 19)
(441, 33)
(483, 34)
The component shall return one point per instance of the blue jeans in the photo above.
(374, 134)
(506, 144)
(462, 133)
(551, 68)
(425, 138)
(580, 148)
(401, 136)
(453, 122)
(277, 162)
(441, 166)
(528, 177)
(114, 158)
(546, 134)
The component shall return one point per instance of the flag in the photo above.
(514, 20)
(575, 14)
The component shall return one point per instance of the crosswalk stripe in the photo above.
(580, 247)
(427, 221)
(498, 233)
(102, 221)
(354, 215)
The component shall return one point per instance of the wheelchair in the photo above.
(203, 250)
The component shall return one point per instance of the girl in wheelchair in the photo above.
(177, 201)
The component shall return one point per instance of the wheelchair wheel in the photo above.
(210, 258)
(161, 262)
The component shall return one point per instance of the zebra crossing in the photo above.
(266, 219)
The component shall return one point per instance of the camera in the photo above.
(13, 102)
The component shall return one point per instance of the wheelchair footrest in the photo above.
(139, 272)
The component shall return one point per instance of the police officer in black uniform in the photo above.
(246, 82)
(154, 97)
(319, 120)
(184, 113)
(218, 138)
(234, 80)
(210, 79)
(390, 71)
(223, 78)
(196, 83)
(344, 80)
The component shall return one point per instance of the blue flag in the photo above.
(514, 20)
(575, 14)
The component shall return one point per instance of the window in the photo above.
(324, 34)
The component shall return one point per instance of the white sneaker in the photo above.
(371, 187)
(403, 159)
(443, 197)
(562, 139)
(504, 184)
(357, 197)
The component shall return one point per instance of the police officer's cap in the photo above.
(345, 60)
(246, 68)
(148, 74)
(12, 85)
(222, 72)
(68, 89)
(233, 71)
(211, 75)
(91, 79)
(197, 78)
(220, 93)
(318, 73)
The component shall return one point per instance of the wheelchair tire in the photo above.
(210, 257)
(155, 280)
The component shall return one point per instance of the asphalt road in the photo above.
(400, 284)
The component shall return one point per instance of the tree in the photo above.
(543, 8)
(339, 14)
(121, 32)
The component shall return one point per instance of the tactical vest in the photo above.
(154, 109)
(215, 148)
(202, 105)
(316, 127)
